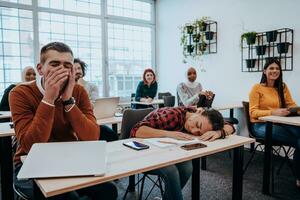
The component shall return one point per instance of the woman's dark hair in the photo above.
(82, 64)
(215, 118)
(279, 85)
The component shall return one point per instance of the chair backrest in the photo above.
(247, 117)
(132, 96)
(204, 102)
(130, 118)
(169, 101)
(163, 94)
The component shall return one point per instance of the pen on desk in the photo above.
(166, 142)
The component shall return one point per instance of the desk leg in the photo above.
(267, 158)
(6, 168)
(231, 112)
(237, 178)
(37, 193)
(115, 128)
(131, 187)
(196, 179)
(203, 163)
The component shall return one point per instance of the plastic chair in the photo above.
(169, 101)
(261, 142)
(161, 95)
(130, 118)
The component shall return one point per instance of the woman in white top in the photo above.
(190, 91)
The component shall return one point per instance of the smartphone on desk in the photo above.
(136, 145)
(193, 146)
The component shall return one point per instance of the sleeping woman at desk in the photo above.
(272, 97)
(146, 89)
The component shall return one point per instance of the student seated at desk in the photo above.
(189, 92)
(272, 97)
(146, 89)
(51, 109)
(180, 123)
(80, 70)
(28, 74)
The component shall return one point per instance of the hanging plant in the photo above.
(193, 38)
(249, 36)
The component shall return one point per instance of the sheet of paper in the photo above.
(168, 142)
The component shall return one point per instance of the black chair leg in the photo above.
(251, 158)
(160, 186)
(142, 187)
(252, 146)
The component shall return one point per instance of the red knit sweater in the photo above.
(35, 121)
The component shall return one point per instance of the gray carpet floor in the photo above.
(216, 181)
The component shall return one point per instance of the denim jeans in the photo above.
(287, 135)
(105, 191)
(175, 178)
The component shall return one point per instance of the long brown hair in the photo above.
(279, 85)
(144, 75)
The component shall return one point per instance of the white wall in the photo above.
(222, 70)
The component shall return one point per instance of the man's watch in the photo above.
(69, 101)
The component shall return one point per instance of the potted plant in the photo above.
(271, 36)
(189, 29)
(190, 48)
(261, 50)
(249, 36)
(209, 35)
(250, 63)
(202, 47)
(283, 47)
(196, 37)
(201, 23)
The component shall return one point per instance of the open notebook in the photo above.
(64, 159)
(167, 142)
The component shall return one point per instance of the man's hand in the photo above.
(281, 112)
(180, 136)
(211, 135)
(67, 94)
(52, 83)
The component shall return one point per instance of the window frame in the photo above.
(105, 19)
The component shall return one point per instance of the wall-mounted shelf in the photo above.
(196, 36)
(270, 44)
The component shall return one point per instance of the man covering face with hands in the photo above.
(52, 109)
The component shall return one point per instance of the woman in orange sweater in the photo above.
(272, 97)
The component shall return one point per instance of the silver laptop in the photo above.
(105, 107)
(65, 159)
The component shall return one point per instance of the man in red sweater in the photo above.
(54, 108)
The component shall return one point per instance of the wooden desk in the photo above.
(123, 162)
(111, 120)
(6, 132)
(154, 102)
(5, 114)
(295, 121)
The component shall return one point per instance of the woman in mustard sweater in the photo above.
(272, 97)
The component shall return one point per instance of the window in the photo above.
(16, 45)
(115, 41)
(129, 53)
(82, 34)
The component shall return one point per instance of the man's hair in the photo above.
(56, 46)
(215, 118)
(82, 64)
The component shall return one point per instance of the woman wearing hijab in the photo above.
(28, 74)
(190, 91)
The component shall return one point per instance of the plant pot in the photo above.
(261, 50)
(202, 26)
(283, 47)
(190, 29)
(202, 47)
(251, 39)
(271, 36)
(250, 63)
(190, 48)
(196, 38)
(209, 35)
